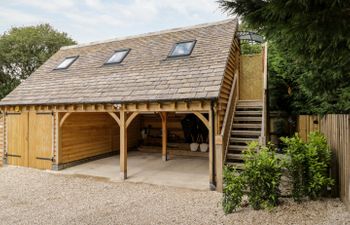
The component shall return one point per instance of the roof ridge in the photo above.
(150, 34)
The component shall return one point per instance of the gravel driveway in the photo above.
(30, 196)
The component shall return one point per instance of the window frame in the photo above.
(127, 50)
(69, 57)
(182, 42)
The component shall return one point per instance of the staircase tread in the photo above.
(250, 132)
(247, 125)
(236, 164)
(241, 139)
(234, 156)
(253, 118)
(248, 113)
(237, 146)
(250, 104)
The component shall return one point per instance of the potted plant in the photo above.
(204, 146)
(194, 145)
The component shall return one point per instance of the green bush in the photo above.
(233, 189)
(308, 164)
(296, 164)
(262, 173)
(319, 158)
(260, 178)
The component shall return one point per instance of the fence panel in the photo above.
(336, 128)
(308, 124)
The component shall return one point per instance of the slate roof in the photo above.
(146, 74)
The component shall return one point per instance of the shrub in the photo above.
(308, 164)
(319, 157)
(233, 190)
(262, 174)
(296, 163)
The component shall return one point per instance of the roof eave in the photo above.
(111, 102)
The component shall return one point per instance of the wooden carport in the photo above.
(123, 114)
(148, 80)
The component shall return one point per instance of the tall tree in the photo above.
(315, 35)
(24, 49)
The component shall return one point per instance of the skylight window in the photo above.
(118, 56)
(182, 49)
(66, 62)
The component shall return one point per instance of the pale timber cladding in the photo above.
(57, 117)
(86, 135)
(336, 128)
(251, 83)
(2, 138)
(232, 69)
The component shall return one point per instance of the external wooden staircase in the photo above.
(246, 127)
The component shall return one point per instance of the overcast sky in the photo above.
(93, 20)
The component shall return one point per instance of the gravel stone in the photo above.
(29, 196)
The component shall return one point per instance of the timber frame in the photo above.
(124, 114)
(205, 84)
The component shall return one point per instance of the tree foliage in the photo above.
(313, 37)
(24, 49)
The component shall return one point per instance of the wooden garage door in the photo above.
(40, 140)
(17, 137)
(29, 139)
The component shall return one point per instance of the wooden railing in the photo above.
(229, 115)
(222, 140)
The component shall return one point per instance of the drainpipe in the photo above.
(212, 182)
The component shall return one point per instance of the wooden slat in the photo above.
(231, 66)
(336, 128)
(40, 140)
(86, 135)
(251, 77)
(307, 124)
(17, 136)
(2, 138)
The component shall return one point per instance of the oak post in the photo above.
(219, 163)
(164, 136)
(211, 151)
(123, 146)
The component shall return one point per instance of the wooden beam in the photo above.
(115, 117)
(123, 146)
(211, 151)
(202, 118)
(219, 163)
(58, 142)
(185, 106)
(64, 118)
(164, 116)
(131, 118)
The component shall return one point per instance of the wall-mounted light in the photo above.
(117, 106)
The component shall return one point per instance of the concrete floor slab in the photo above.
(149, 168)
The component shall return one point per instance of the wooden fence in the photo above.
(2, 137)
(336, 128)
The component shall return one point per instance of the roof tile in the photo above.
(145, 74)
